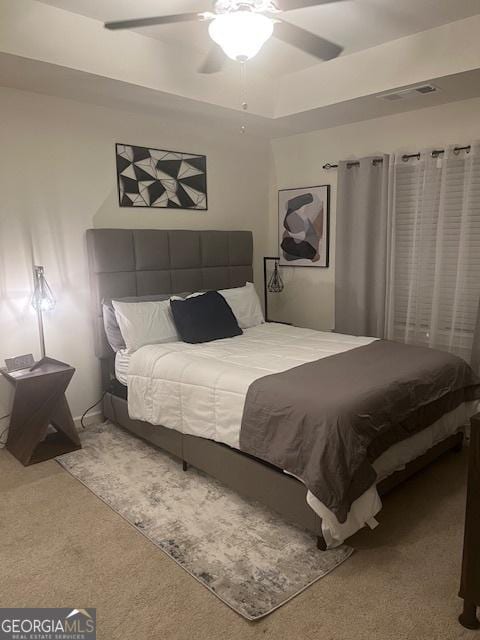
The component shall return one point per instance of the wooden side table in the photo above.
(39, 402)
(470, 582)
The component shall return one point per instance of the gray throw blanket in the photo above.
(326, 421)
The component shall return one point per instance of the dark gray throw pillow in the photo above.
(204, 318)
(112, 330)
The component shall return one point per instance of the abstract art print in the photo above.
(303, 226)
(161, 179)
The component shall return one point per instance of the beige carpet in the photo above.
(61, 546)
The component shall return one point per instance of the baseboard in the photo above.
(91, 419)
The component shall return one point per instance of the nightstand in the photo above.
(39, 402)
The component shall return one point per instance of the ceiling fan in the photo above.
(241, 28)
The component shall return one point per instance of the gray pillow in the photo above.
(112, 330)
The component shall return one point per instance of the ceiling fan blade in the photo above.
(214, 61)
(151, 22)
(290, 5)
(306, 41)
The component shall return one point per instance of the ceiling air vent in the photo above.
(421, 89)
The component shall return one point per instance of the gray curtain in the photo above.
(361, 246)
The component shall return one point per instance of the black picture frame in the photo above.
(302, 262)
(137, 169)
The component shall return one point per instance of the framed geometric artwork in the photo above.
(161, 179)
(304, 226)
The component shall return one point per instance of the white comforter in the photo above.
(200, 390)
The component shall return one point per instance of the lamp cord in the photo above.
(90, 408)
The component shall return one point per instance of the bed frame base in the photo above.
(321, 544)
(253, 478)
(468, 617)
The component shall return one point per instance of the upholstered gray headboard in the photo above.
(136, 262)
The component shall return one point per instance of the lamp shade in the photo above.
(241, 34)
(275, 284)
(43, 298)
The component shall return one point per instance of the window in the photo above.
(434, 280)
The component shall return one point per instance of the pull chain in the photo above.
(244, 103)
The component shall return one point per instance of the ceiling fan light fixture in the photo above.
(241, 34)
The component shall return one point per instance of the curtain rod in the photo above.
(406, 157)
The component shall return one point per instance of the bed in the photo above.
(143, 262)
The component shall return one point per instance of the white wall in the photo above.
(57, 179)
(308, 299)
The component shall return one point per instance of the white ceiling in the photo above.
(354, 24)
(41, 77)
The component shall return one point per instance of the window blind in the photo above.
(434, 277)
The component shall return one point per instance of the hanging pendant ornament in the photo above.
(244, 104)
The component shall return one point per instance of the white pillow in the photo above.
(245, 305)
(144, 323)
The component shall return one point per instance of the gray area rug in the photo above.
(243, 553)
